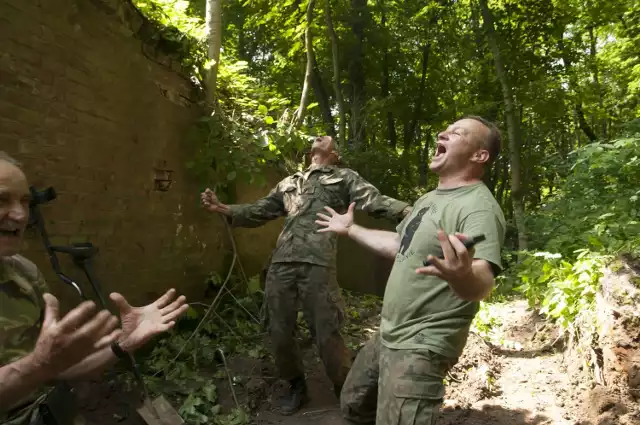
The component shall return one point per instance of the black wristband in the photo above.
(118, 351)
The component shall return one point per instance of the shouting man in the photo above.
(397, 378)
(303, 265)
(39, 350)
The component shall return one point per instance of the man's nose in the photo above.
(19, 212)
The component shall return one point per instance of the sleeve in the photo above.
(487, 223)
(369, 199)
(41, 284)
(400, 227)
(32, 273)
(256, 214)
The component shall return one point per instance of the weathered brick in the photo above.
(86, 114)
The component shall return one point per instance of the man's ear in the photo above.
(480, 156)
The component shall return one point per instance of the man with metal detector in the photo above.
(303, 265)
(39, 350)
(397, 377)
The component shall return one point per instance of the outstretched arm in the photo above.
(368, 198)
(247, 215)
(381, 242)
(139, 325)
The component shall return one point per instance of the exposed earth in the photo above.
(528, 378)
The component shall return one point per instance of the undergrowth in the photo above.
(590, 219)
(191, 369)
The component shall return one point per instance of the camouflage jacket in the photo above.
(21, 315)
(304, 194)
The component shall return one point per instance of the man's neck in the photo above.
(451, 182)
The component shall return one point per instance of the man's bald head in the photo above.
(7, 158)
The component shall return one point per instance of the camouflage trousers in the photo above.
(394, 387)
(316, 289)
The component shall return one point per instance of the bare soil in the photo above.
(527, 385)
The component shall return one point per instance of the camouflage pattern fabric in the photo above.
(317, 289)
(21, 315)
(408, 386)
(300, 197)
(411, 386)
(359, 397)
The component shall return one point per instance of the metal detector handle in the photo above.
(36, 219)
(468, 243)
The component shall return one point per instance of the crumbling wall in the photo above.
(92, 109)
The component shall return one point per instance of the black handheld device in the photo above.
(468, 243)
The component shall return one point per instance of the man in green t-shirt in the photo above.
(397, 378)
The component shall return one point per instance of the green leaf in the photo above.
(231, 176)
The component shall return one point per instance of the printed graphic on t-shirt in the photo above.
(413, 225)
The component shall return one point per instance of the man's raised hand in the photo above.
(65, 342)
(337, 223)
(456, 264)
(140, 324)
(209, 201)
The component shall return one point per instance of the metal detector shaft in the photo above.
(36, 219)
(81, 254)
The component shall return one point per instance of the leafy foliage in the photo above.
(597, 206)
(592, 216)
(187, 367)
(559, 288)
(249, 127)
(408, 69)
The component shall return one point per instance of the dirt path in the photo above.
(521, 386)
(525, 384)
(490, 385)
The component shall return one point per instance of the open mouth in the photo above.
(440, 150)
(9, 233)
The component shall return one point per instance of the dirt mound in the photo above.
(473, 378)
(604, 364)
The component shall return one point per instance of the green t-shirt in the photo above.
(421, 311)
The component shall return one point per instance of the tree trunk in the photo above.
(356, 72)
(304, 97)
(392, 136)
(417, 109)
(504, 178)
(337, 85)
(512, 126)
(424, 160)
(596, 80)
(584, 125)
(214, 42)
(322, 98)
(494, 176)
(579, 114)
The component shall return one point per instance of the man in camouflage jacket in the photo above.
(40, 350)
(304, 261)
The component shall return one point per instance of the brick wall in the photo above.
(90, 113)
(88, 109)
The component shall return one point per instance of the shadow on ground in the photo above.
(491, 415)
